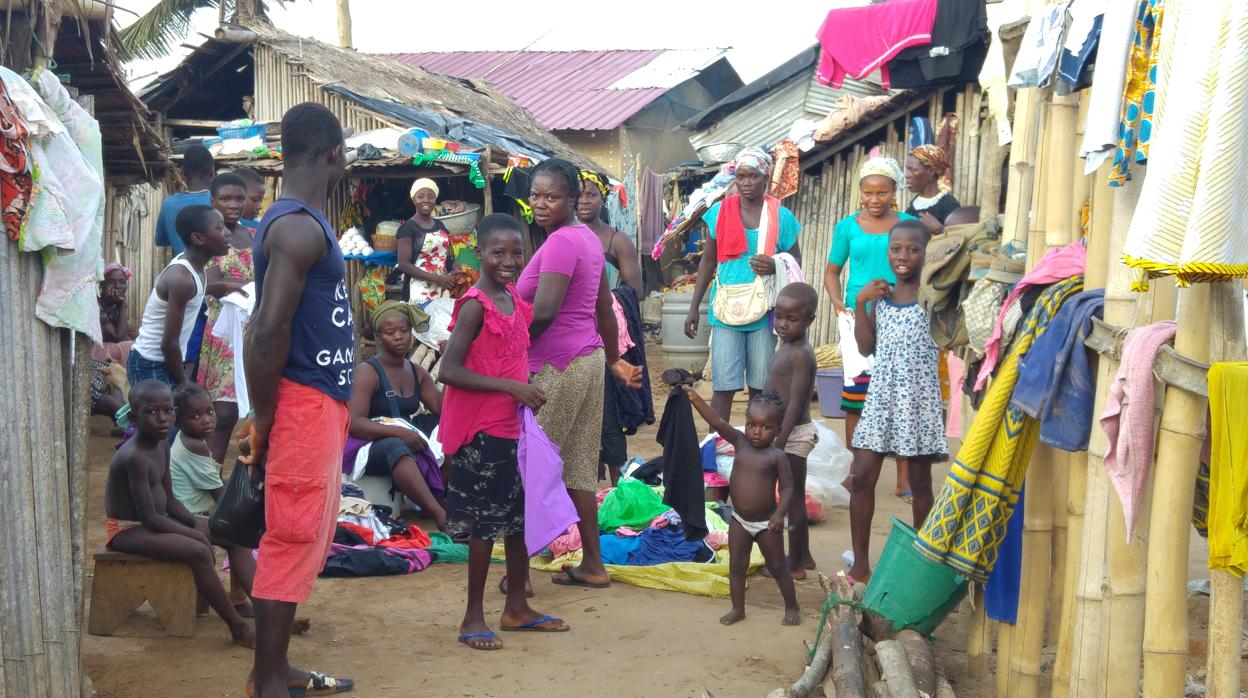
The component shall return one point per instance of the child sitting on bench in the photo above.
(143, 516)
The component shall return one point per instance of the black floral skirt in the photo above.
(485, 496)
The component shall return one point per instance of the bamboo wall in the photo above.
(829, 192)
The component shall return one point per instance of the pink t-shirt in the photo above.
(500, 350)
(573, 251)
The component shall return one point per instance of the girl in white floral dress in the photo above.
(902, 416)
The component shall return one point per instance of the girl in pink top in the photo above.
(485, 370)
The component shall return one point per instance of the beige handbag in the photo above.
(743, 304)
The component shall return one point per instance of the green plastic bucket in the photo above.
(909, 590)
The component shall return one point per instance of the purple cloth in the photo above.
(424, 461)
(575, 252)
(548, 510)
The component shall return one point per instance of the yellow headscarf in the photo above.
(597, 180)
(414, 314)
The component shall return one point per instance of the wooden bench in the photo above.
(123, 582)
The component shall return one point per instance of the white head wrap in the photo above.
(884, 167)
(423, 183)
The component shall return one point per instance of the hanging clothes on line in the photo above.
(1041, 47)
(1135, 124)
(956, 53)
(1228, 468)
(1055, 380)
(969, 517)
(857, 41)
(1100, 133)
(1193, 211)
(1128, 417)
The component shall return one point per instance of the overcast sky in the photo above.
(758, 41)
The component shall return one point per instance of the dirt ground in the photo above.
(396, 635)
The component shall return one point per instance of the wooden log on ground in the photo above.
(922, 660)
(895, 668)
(847, 676)
(880, 690)
(877, 627)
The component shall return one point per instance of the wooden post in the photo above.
(487, 207)
(1028, 637)
(1178, 453)
(344, 23)
(1226, 598)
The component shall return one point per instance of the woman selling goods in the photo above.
(115, 327)
(386, 396)
(746, 231)
(623, 409)
(925, 165)
(424, 247)
(861, 240)
(574, 332)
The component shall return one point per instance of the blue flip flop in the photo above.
(533, 626)
(476, 636)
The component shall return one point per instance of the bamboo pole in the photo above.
(1178, 449)
(979, 640)
(1087, 644)
(1005, 650)
(1100, 239)
(1023, 153)
(1028, 636)
(1226, 596)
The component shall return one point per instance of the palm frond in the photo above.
(156, 33)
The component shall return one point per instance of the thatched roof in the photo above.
(393, 90)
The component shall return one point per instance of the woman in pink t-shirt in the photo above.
(573, 332)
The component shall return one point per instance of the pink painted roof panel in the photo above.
(564, 90)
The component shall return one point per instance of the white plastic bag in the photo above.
(440, 311)
(855, 364)
(827, 466)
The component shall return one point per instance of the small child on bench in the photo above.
(143, 516)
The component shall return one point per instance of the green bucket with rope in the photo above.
(909, 590)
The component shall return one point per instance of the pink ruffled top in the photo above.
(500, 350)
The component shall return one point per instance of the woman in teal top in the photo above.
(862, 240)
(741, 354)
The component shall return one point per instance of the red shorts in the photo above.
(302, 483)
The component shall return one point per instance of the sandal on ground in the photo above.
(566, 578)
(321, 685)
(540, 626)
(502, 587)
(467, 639)
(318, 685)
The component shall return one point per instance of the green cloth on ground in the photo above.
(715, 522)
(444, 549)
(633, 503)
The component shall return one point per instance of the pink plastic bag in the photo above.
(548, 510)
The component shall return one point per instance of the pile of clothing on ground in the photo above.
(648, 543)
(370, 541)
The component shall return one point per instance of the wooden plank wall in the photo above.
(830, 192)
(130, 238)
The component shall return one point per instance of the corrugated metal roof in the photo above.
(574, 90)
(767, 117)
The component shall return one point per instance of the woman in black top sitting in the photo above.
(925, 165)
(390, 385)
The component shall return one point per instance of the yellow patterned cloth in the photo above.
(1192, 217)
(1135, 127)
(1227, 516)
(968, 520)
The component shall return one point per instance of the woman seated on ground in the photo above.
(390, 385)
(115, 328)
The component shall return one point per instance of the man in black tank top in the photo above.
(299, 355)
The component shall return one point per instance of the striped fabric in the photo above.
(1192, 218)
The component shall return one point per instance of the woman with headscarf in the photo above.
(424, 247)
(115, 328)
(573, 334)
(861, 240)
(622, 412)
(391, 388)
(741, 353)
(925, 165)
